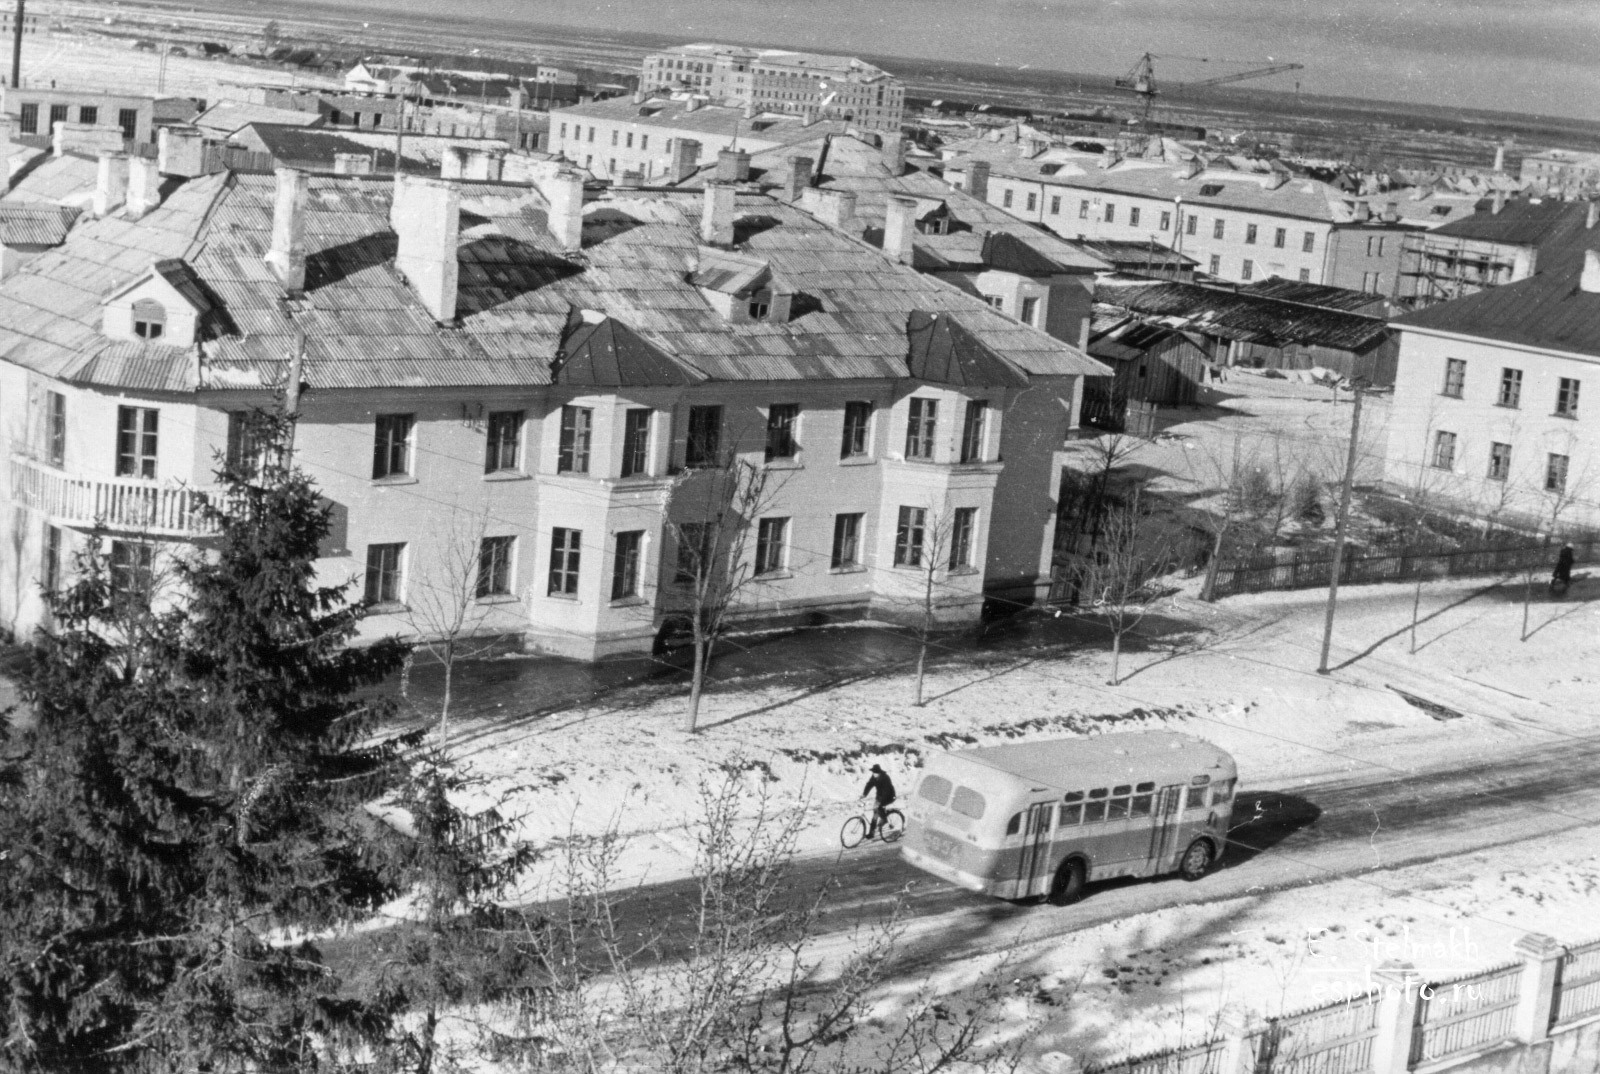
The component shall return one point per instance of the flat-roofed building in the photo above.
(781, 80)
(34, 111)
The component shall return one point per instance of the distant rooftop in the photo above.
(1548, 310)
(777, 56)
(764, 129)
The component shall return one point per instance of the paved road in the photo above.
(1309, 834)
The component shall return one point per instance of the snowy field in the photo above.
(78, 62)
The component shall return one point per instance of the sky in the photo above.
(1538, 56)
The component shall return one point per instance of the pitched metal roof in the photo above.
(728, 272)
(1250, 318)
(609, 354)
(1548, 310)
(35, 225)
(1006, 252)
(1313, 294)
(943, 351)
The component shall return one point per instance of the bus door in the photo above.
(1165, 834)
(1034, 862)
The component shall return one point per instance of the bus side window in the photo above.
(1221, 791)
(1014, 824)
(1095, 808)
(1140, 806)
(1071, 811)
(1119, 802)
(1196, 798)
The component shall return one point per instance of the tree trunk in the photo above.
(1209, 590)
(922, 655)
(1116, 655)
(1527, 600)
(696, 682)
(1416, 607)
(449, 673)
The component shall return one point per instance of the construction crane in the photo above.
(1142, 78)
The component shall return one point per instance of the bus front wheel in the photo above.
(1067, 888)
(1196, 860)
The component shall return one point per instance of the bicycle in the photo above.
(855, 829)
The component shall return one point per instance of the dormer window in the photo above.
(760, 303)
(1210, 190)
(149, 319)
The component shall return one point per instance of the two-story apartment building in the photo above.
(541, 373)
(779, 80)
(1237, 225)
(1489, 406)
(35, 110)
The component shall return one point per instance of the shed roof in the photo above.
(35, 225)
(1313, 294)
(1250, 318)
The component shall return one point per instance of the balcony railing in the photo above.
(118, 503)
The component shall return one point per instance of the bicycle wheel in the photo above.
(854, 830)
(894, 825)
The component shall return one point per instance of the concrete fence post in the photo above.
(1541, 956)
(1400, 987)
(1239, 1053)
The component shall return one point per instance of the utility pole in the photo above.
(1339, 528)
(16, 45)
(291, 390)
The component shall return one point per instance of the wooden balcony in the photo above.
(120, 503)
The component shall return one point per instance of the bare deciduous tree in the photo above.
(443, 606)
(1118, 579)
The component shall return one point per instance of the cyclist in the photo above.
(883, 786)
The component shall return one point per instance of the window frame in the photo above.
(1567, 389)
(772, 552)
(1455, 376)
(922, 426)
(974, 430)
(502, 442)
(855, 440)
(1280, 238)
(783, 420)
(1251, 231)
(138, 441)
(385, 574)
(910, 536)
(1308, 242)
(636, 422)
(496, 555)
(626, 556)
(130, 573)
(575, 445)
(846, 551)
(702, 445)
(1499, 461)
(391, 445)
(1510, 392)
(963, 528)
(566, 562)
(55, 428)
(1443, 439)
(1557, 467)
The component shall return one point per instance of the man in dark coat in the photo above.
(1563, 573)
(880, 783)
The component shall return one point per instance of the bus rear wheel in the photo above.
(1067, 887)
(1196, 860)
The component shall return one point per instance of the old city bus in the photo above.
(1045, 818)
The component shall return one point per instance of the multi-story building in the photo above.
(1489, 406)
(532, 376)
(1237, 225)
(1559, 169)
(1504, 241)
(35, 110)
(665, 139)
(779, 80)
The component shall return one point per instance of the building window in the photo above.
(908, 536)
(1055, 205)
(136, 441)
(29, 119)
(1250, 234)
(564, 556)
(149, 319)
(1444, 450)
(1033, 202)
(247, 443)
(391, 445)
(1305, 275)
(705, 436)
(58, 114)
(636, 443)
(501, 450)
(1499, 461)
(1030, 311)
(1308, 243)
(962, 525)
(55, 428)
(1567, 398)
(770, 545)
(1455, 377)
(972, 429)
(1279, 237)
(1215, 265)
(1247, 270)
(50, 560)
(846, 541)
(1555, 473)
(857, 425)
(614, 135)
(1166, 221)
(563, 132)
(1111, 213)
(132, 574)
(1133, 216)
(385, 583)
(128, 120)
(644, 142)
(924, 417)
(1372, 282)
(494, 566)
(1510, 387)
(88, 114)
(1191, 225)
(625, 565)
(1083, 210)
(591, 133)
(781, 421)
(1218, 228)
(577, 435)
(1005, 199)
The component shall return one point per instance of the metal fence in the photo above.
(1207, 1057)
(1336, 1039)
(1577, 984)
(1292, 568)
(1465, 1014)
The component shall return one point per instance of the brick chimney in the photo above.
(799, 177)
(978, 179)
(685, 158)
(427, 218)
(287, 255)
(1499, 202)
(564, 192)
(733, 166)
(180, 151)
(111, 183)
(1499, 158)
(894, 152)
(352, 164)
(899, 228)
(835, 207)
(144, 187)
(1589, 282)
(692, 104)
(716, 220)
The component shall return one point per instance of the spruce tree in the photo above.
(190, 801)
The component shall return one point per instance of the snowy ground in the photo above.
(79, 62)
